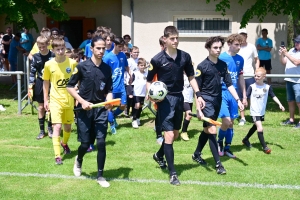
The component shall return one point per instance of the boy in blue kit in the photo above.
(117, 60)
(229, 107)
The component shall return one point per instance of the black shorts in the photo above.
(5, 56)
(169, 112)
(258, 118)
(38, 94)
(92, 124)
(211, 110)
(187, 106)
(266, 64)
(139, 100)
(129, 89)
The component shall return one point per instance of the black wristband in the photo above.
(237, 100)
(198, 94)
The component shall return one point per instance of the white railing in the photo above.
(276, 75)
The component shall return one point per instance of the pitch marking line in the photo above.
(223, 184)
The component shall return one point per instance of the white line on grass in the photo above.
(223, 184)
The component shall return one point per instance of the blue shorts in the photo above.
(13, 65)
(293, 91)
(229, 107)
(121, 95)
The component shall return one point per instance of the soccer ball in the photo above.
(158, 90)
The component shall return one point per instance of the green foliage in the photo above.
(21, 12)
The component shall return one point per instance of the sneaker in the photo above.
(220, 169)
(77, 168)
(160, 161)
(198, 159)
(184, 136)
(50, 132)
(41, 135)
(2, 108)
(135, 124)
(138, 122)
(66, 148)
(220, 148)
(242, 122)
(267, 150)
(174, 180)
(287, 122)
(102, 182)
(58, 161)
(115, 123)
(247, 143)
(159, 140)
(229, 154)
(91, 148)
(297, 125)
(113, 129)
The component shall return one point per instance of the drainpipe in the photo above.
(132, 22)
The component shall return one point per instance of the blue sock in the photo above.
(117, 111)
(110, 117)
(221, 135)
(228, 138)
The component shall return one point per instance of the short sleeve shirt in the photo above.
(263, 54)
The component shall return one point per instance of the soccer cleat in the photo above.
(287, 122)
(41, 135)
(242, 122)
(138, 122)
(160, 161)
(184, 136)
(58, 161)
(77, 167)
(220, 148)
(229, 154)
(297, 125)
(135, 124)
(2, 108)
(220, 169)
(115, 123)
(159, 140)
(174, 180)
(102, 182)
(267, 150)
(247, 143)
(50, 132)
(113, 129)
(198, 159)
(91, 148)
(66, 148)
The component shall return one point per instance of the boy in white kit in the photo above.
(139, 91)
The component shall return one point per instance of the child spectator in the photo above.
(127, 39)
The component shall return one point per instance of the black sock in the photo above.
(101, 156)
(82, 150)
(134, 111)
(203, 137)
(42, 124)
(161, 151)
(261, 138)
(251, 131)
(214, 147)
(185, 125)
(157, 128)
(138, 113)
(129, 104)
(169, 154)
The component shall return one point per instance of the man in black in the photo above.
(95, 86)
(210, 74)
(169, 66)
(6, 43)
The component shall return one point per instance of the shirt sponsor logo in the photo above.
(62, 83)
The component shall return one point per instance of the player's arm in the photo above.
(271, 94)
(243, 89)
(46, 85)
(233, 92)
(195, 87)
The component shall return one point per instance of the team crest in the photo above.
(150, 67)
(121, 60)
(68, 70)
(75, 70)
(264, 90)
(237, 63)
(198, 73)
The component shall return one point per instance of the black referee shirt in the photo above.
(210, 76)
(170, 71)
(94, 82)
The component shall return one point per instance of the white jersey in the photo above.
(140, 79)
(290, 68)
(132, 64)
(248, 52)
(258, 98)
(188, 92)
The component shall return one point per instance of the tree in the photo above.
(261, 8)
(21, 12)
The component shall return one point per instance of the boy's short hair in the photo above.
(69, 53)
(126, 36)
(119, 41)
(141, 61)
(96, 39)
(235, 37)
(170, 30)
(111, 35)
(57, 42)
(134, 48)
(91, 31)
(104, 29)
(42, 39)
(18, 34)
(161, 41)
(45, 32)
(212, 40)
(262, 70)
(264, 30)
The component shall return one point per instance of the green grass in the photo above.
(33, 174)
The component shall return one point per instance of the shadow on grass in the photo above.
(184, 167)
(122, 172)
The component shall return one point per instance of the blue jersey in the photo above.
(109, 50)
(117, 64)
(88, 53)
(13, 51)
(235, 65)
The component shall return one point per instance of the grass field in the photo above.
(28, 170)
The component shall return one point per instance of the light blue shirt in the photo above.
(263, 54)
(27, 45)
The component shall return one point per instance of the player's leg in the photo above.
(186, 121)
(56, 116)
(260, 134)
(41, 119)
(39, 97)
(134, 112)
(226, 121)
(68, 119)
(251, 131)
(140, 109)
(130, 100)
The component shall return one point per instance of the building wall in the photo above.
(152, 16)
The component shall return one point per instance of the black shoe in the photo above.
(41, 135)
(160, 161)
(199, 159)
(50, 132)
(174, 180)
(220, 169)
(247, 143)
(288, 122)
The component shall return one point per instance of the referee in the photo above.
(95, 86)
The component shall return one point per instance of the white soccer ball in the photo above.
(158, 90)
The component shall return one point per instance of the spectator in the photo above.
(127, 39)
(264, 46)
(63, 33)
(89, 36)
(26, 40)
(6, 40)
(291, 60)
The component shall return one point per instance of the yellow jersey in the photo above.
(59, 75)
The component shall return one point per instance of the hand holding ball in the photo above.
(158, 91)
